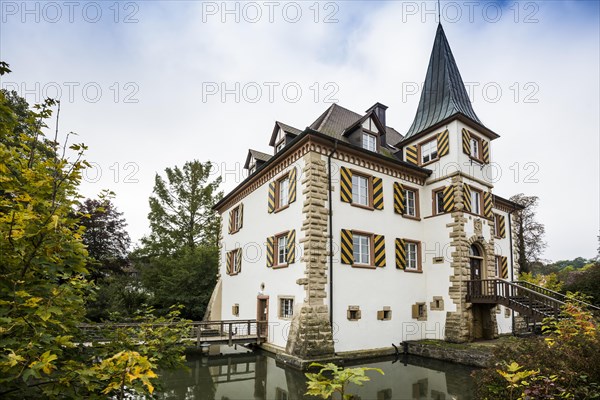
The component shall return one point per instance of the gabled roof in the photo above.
(286, 128)
(444, 94)
(257, 155)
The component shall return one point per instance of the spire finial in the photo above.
(439, 13)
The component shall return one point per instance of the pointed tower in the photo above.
(444, 96)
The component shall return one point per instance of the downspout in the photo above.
(330, 233)
(512, 263)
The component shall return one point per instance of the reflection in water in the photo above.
(256, 376)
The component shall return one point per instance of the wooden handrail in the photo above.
(552, 293)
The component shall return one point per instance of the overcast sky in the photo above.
(152, 84)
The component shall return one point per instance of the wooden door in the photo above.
(262, 316)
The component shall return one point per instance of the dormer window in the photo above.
(280, 141)
(252, 165)
(280, 146)
(369, 142)
(429, 151)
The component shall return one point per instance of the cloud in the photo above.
(151, 113)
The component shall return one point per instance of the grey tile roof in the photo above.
(444, 94)
(257, 155)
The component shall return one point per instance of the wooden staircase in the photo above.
(529, 300)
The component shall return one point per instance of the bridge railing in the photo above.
(555, 295)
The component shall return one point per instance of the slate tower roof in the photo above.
(444, 94)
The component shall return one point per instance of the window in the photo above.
(475, 145)
(362, 249)
(438, 202)
(385, 314)
(353, 313)
(252, 165)
(283, 192)
(412, 262)
(419, 311)
(437, 303)
(360, 190)
(369, 142)
(280, 146)
(234, 262)
(282, 249)
(475, 202)
(496, 226)
(286, 307)
(410, 203)
(497, 265)
(280, 141)
(235, 310)
(429, 151)
(236, 221)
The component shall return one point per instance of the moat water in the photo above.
(238, 374)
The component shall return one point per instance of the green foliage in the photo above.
(586, 281)
(332, 379)
(549, 281)
(117, 294)
(564, 364)
(530, 233)
(187, 279)
(181, 210)
(43, 275)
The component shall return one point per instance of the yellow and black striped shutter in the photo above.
(270, 251)
(485, 151)
(228, 263)
(292, 188)
(501, 226)
(379, 245)
(271, 197)
(466, 141)
(241, 217)
(230, 228)
(443, 143)
(346, 185)
(412, 155)
(291, 247)
(487, 205)
(400, 246)
(378, 193)
(238, 261)
(504, 267)
(347, 247)
(448, 194)
(398, 198)
(467, 197)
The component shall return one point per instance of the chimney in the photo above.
(379, 110)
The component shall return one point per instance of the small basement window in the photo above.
(235, 310)
(353, 313)
(437, 304)
(385, 314)
(419, 311)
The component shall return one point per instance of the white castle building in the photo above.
(352, 236)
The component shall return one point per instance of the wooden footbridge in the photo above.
(225, 332)
(529, 300)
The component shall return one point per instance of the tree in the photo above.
(181, 210)
(43, 283)
(530, 233)
(105, 237)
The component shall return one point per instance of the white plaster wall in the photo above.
(502, 248)
(243, 288)
(372, 289)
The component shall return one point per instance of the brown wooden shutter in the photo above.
(238, 264)
(231, 218)
(398, 198)
(270, 251)
(415, 311)
(271, 197)
(501, 226)
(443, 143)
(487, 205)
(467, 197)
(380, 315)
(466, 141)
(292, 187)
(412, 154)
(346, 185)
(485, 151)
(379, 246)
(291, 247)
(377, 193)
(400, 247)
(448, 195)
(347, 246)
